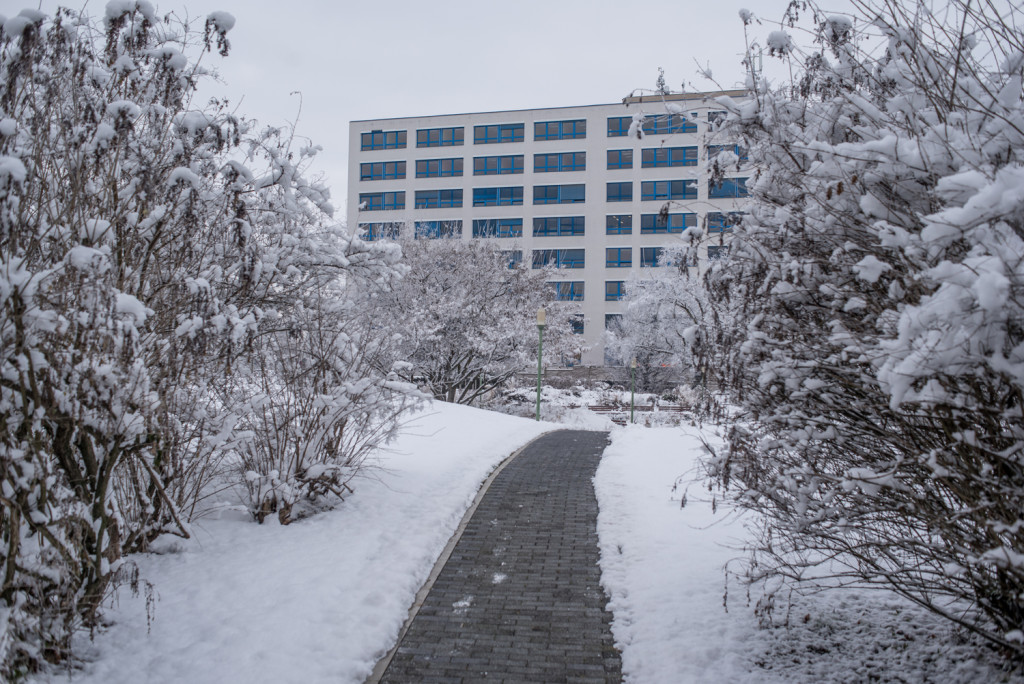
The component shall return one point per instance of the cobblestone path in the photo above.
(520, 598)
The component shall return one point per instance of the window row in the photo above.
(658, 157)
(616, 224)
(563, 194)
(671, 222)
(548, 226)
(571, 129)
(655, 124)
(487, 134)
(566, 161)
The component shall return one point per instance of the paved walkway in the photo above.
(520, 599)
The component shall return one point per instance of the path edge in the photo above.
(442, 560)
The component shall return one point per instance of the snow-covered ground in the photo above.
(662, 567)
(319, 600)
(322, 599)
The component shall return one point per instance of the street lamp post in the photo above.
(632, 388)
(541, 320)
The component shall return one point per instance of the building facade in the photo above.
(576, 187)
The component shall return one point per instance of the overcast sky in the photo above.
(362, 60)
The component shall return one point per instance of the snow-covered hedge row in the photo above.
(170, 287)
(882, 278)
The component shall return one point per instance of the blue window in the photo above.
(560, 130)
(558, 225)
(619, 224)
(438, 168)
(559, 194)
(656, 157)
(377, 201)
(569, 292)
(723, 223)
(728, 188)
(618, 126)
(716, 117)
(513, 257)
(618, 257)
(650, 256)
(497, 197)
(498, 228)
(497, 166)
(497, 133)
(668, 190)
(435, 230)
(620, 159)
(716, 252)
(577, 324)
(666, 223)
(738, 150)
(614, 290)
(562, 161)
(381, 170)
(559, 258)
(666, 124)
(383, 140)
(380, 231)
(432, 199)
(620, 192)
(440, 137)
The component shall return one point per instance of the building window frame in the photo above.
(618, 224)
(570, 257)
(498, 165)
(569, 290)
(657, 224)
(559, 161)
(506, 196)
(382, 201)
(382, 140)
(567, 129)
(558, 226)
(453, 136)
(668, 190)
(651, 256)
(663, 157)
(614, 290)
(498, 228)
(619, 191)
(728, 188)
(574, 193)
(440, 198)
(493, 134)
(448, 167)
(619, 159)
(438, 230)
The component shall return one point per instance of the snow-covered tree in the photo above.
(463, 320)
(147, 250)
(882, 280)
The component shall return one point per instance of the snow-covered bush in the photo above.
(463, 320)
(145, 247)
(671, 326)
(882, 274)
(316, 405)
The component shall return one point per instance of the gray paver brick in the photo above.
(546, 620)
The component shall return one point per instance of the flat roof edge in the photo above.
(632, 99)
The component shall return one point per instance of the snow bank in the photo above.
(661, 564)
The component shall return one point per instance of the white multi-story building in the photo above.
(567, 186)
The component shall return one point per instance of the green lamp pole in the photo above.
(632, 388)
(541, 320)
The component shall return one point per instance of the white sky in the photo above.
(361, 60)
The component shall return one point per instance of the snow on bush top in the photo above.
(222, 21)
